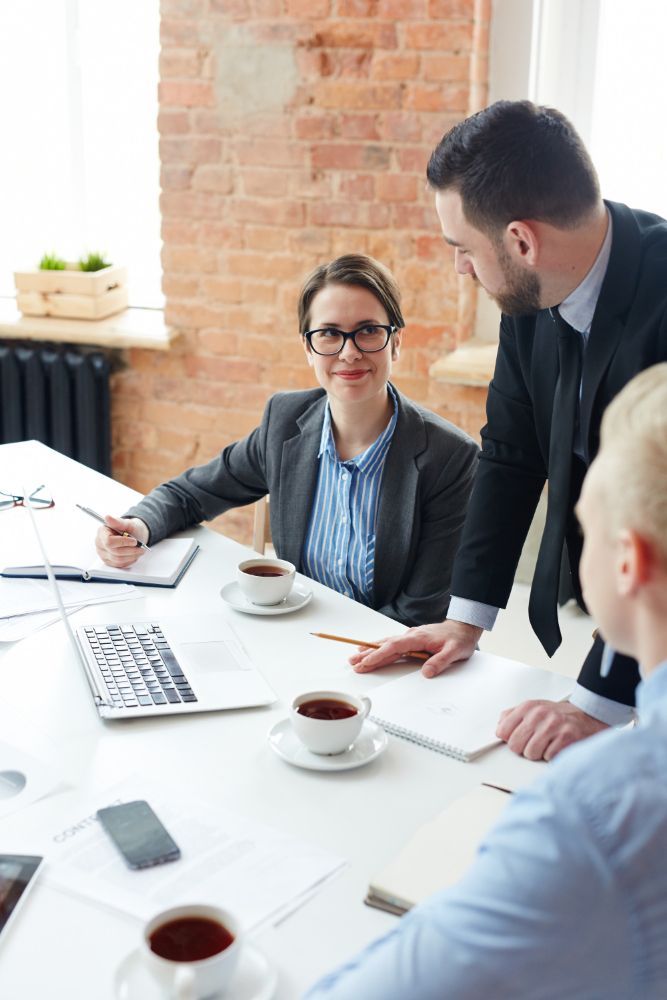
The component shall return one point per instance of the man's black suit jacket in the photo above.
(628, 334)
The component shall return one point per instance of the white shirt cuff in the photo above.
(613, 713)
(472, 613)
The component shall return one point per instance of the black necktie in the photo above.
(543, 604)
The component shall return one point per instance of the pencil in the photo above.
(367, 645)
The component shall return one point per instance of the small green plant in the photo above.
(93, 262)
(51, 262)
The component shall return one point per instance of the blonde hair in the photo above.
(633, 450)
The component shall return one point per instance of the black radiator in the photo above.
(58, 395)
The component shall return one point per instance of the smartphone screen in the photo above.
(138, 834)
(16, 873)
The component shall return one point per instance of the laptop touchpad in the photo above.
(209, 657)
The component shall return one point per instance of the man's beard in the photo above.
(522, 293)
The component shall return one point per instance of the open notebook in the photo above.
(439, 853)
(457, 712)
(69, 538)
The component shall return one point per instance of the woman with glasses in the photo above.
(368, 490)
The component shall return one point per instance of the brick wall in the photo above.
(293, 131)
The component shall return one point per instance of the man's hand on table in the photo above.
(539, 730)
(448, 642)
(116, 550)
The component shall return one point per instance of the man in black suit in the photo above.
(582, 285)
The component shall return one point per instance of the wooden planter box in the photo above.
(72, 294)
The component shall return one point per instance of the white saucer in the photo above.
(254, 978)
(298, 598)
(369, 744)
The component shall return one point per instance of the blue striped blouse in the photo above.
(339, 548)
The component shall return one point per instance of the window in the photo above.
(79, 170)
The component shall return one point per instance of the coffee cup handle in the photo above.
(184, 985)
(367, 707)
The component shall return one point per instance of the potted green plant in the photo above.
(90, 288)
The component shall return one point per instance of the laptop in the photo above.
(165, 666)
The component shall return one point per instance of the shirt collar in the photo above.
(651, 694)
(578, 308)
(328, 445)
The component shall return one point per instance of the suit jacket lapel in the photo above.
(398, 500)
(608, 321)
(298, 477)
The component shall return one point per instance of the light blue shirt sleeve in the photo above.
(612, 713)
(507, 930)
(472, 613)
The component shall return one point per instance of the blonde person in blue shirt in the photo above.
(567, 899)
(368, 490)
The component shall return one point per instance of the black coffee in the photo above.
(326, 708)
(189, 939)
(266, 571)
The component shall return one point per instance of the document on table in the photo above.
(24, 610)
(257, 872)
(23, 779)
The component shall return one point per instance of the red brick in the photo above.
(221, 288)
(277, 213)
(222, 369)
(414, 217)
(357, 8)
(192, 204)
(456, 68)
(357, 187)
(175, 178)
(369, 35)
(396, 187)
(391, 66)
(180, 287)
(269, 153)
(315, 126)
(192, 150)
(190, 94)
(173, 122)
(362, 96)
(402, 10)
(265, 183)
(218, 342)
(400, 126)
(413, 159)
(450, 9)
(431, 97)
(178, 33)
(310, 183)
(188, 259)
(337, 214)
(359, 126)
(179, 63)
(307, 8)
(266, 238)
(453, 37)
(210, 178)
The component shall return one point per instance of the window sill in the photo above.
(130, 328)
(471, 364)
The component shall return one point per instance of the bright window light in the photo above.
(80, 166)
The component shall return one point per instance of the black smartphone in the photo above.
(17, 872)
(138, 834)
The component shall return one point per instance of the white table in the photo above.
(62, 947)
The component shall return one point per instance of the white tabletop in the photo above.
(60, 946)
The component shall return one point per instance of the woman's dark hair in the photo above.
(352, 269)
(516, 160)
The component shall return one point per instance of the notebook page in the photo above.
(459, 709)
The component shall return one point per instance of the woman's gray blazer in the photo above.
(424, 495)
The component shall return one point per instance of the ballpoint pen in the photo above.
(124, 534)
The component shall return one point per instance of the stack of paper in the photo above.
(29, 605)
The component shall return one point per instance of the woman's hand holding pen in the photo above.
(114, 547)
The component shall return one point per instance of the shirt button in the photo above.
(344, 519)
(340, 562)
(344, 476)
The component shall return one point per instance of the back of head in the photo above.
(353, 269)
(633, 454)
(516, 161)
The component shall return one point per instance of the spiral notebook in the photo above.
(457, 712)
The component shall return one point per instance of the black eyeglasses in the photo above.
(368, 339)
(39, 499)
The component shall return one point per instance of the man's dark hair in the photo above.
(516, 160)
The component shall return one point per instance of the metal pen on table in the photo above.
(124, 534)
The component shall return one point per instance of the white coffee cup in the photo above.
(329, 735)
(192, 979)
(268, 589)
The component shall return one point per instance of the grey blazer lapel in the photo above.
(298, 478)
(398, 497)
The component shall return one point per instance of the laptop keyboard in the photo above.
(138, 666)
